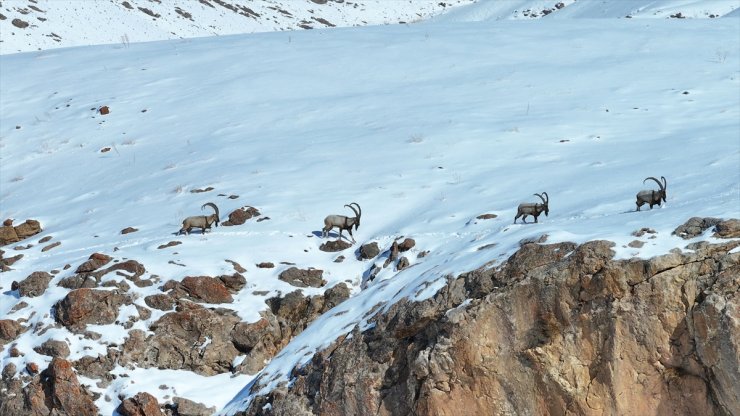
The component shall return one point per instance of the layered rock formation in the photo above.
(559, 329)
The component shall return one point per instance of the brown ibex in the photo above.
(342, 222)
(533, 209)
(652, 197)
(203, 222)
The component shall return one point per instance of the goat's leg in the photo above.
(350, 234)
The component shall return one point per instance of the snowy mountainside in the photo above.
(43, 24)
(425, 126)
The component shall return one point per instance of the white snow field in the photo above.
(63, 23)
(426, 126)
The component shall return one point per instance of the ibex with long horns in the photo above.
(203, 222)
(533, 209)
(342, 222)
(652, 197)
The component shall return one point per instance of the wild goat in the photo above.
(342, 222)
(652, 197)
(533, 209)
(200, 221)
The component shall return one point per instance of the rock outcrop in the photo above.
(558, 329)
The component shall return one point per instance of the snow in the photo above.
(426, 126)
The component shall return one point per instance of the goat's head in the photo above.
(545, 201)
(215, 209)
(358, 213)
(663, 185)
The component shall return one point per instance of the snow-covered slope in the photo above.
(425, 126)
(44, 24)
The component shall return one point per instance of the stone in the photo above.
(10, 330)
(89, 306)
(185, 407)
(727, 229)
(369, 251)
(695, 226)
(160, 301)
(34, 284)
(406, 245)
(95, 261)
(141, 404)
(129, 230)
(241, 215)
(53, 348)
(333, 246)
(207, 289)
(303, 277)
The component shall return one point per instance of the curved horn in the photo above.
(543, 199)
(212, 205)
(665, 182)
(656, 181)
(546, 197)
(358, 208)
(350, 206)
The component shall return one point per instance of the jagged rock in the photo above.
(9, 330)
(129, 230)
(200, 288)
(142, 404)
(695, 226)
(369, 251)
(557, 329)
(403, 263)
(486, 216)
(64, 392)
(266, 265)
(234, 282)
(53, 348)
(303, 277)
(33, 285)
(8, 372)
(88, 306)
(406, 245)
(8, 235)
(333, 246)
(191, 338)
(642, 231)
(96, 261)
(238, 267)
(241, 215)
(728, 229)
(185, 407)
(160, 301)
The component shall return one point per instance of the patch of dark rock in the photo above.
(403, 263)
(727, 229)
(263, 219)
(643, 231)
(149, 12)
(485, 247)
(12, 234)
(129, 230)
(142, 404)
(89, 306)
(265, 265)
(533, 240)
(241, 215)
(334, 246)
(303, 277)
(53, 348)
(198, 191)
(183, 407)
(160, 301)
(45, 239)
(234, 282)
(486, 216)
(10, 330)
(323, 21)
(406, 245)
(170, 244)
(20, 24)
(368, 251)
(33, 285)
(94, 262)
(339, 259)
(636, 244)
(695, 226)
(237, 266)
(51, 246)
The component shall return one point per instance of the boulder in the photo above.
(142, 404)
(303, 277)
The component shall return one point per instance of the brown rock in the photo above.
(8, 235)
(20, 24)
(636, 244)
(34, 285)
(234, 282)
(170, 244)
(142, 404)
(9, 330)
(403, 263)
(51, 246)
(45, 239)
(8, 222)
(406, 245)
(334, 245)
(161, 301)
(32, 368)
(369, 251)
(207, 289)
(89, 306)
(695, 226)
(64, 390)
(486, 216)
(185, 407)
(265, 265)
(303, 277)
(728, 229)
(28, 229)
(53, 348)
(129, 230)
(95, 261)
(241, 215)
(238, 267)
(104, 110)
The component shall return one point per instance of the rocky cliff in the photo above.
(558, 329)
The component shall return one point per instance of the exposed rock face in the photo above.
(558, 329)
(34, 285)
(369, 251)
(53, 348)
(9, 330)
(88, 306)
(241, 215)
(142, 404)
(695, 226)
(56, 391)
(303, 277)
(10, 234)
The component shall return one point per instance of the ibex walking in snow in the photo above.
(533, 209)
(342, 222)
(652, 197)
(200, 221)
